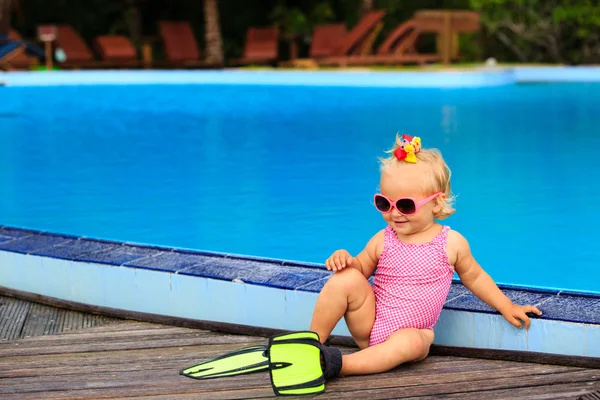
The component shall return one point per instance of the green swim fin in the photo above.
(242, 361)
(295, 364)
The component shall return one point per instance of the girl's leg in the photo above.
(346, 294)
(402, 346)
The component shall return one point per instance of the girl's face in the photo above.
(407, 180)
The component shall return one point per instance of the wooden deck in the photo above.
(50, 353)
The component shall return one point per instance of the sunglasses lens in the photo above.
(382, 204)
(406, 206)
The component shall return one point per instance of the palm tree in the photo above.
(212, 32)
(4, 17)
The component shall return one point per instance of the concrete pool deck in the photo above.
(472, 78)
(255, 292)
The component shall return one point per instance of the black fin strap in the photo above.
(309, 341)
(333, 361)
(309, 384)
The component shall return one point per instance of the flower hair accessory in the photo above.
(408, 149)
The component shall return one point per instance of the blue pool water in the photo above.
(289, 172)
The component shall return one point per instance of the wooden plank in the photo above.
(19, 319)
(121, 325)
(405, 377)
(522, 356)
(188, 340)
(73, 320)
(69, 320)
(125, 380)
(402, 378)
(135, 327)
(121, 385)
(165, 373)
(162, 375)
(519, 356)
(13, 315)
(141, 359)
(175, 360)
(85, 337)
(176, 389)
(202, 352)
(141, 316)
(544, 391)
(591, 396)
(121, 337)
(551, 392)
(434, 387)
(397, 376)
(184, 396)
(168, 372)
(190, 353)
(40, 320)
(569, 391)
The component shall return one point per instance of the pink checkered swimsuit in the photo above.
(411, 284)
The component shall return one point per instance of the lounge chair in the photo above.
(31, 55)
(116, 51)
(180, 45)
(16, 53)
(325, 39)
(399, 47)
(77, 52)
(261, 47)
(9, 50)
(358, 42)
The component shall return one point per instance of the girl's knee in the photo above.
(418, 342)
(348, 280)
(422, 343)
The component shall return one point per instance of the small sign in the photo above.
(47, 33)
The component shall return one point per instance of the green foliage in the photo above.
(322, 13)
(583, 12)
(565, 31)
(291, 21)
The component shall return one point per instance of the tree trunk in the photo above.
(135, 21)
(4, 17)
(212, 32)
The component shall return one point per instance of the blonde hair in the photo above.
(438, 171)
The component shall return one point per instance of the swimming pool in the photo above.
(289, 171)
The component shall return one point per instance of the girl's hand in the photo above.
(339, 260)
(517, 312)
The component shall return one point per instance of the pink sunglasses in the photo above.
(404, 205)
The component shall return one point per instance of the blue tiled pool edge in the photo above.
(480, 77)
(232, 289)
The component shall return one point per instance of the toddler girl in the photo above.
(414, 259)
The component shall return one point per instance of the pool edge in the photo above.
(126, 277)
(342, 340)
(474, 78)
